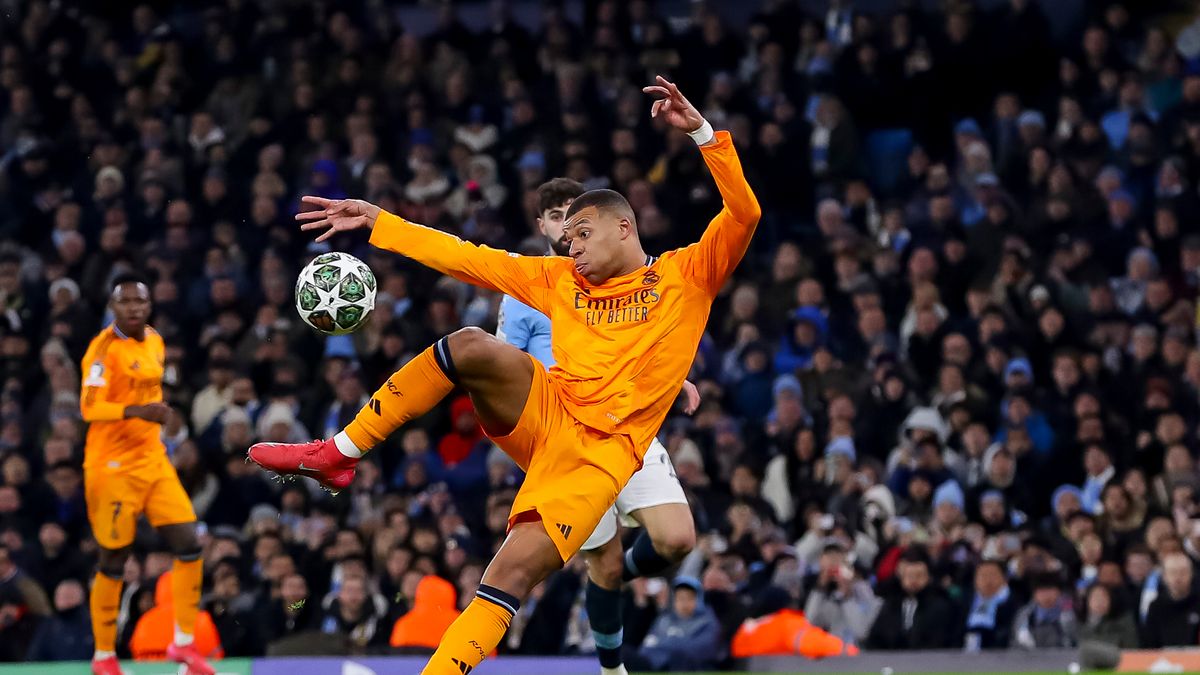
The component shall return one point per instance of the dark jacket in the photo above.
(1119, 631)
(66, 636)
(932, 623)
(1172, 623)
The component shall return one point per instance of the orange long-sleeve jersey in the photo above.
(118, 372)
(623, 347)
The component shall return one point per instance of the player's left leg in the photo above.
(573, 475)
(668, 535)
(655, 499)
(170, 511)
(526, 558)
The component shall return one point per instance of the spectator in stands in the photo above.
(916, 613)
(356, 614)
(1172, 620)
(685, 637)
(67, 635)
(1103, 620)
(989, 614)
(1048, 620)
(840, 601)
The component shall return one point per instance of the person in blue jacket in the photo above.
(685, 637)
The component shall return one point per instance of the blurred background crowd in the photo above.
(950, 398)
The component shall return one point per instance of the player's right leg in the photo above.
(113, 503)
(105, 604)
(495, 374)
(602, 599)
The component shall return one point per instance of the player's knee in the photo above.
(676, 544)
(111, 562)
(183, 543)
(471, 346)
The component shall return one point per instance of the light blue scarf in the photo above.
(983, 610)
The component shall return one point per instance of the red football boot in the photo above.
(107, 666)
(188, 656)
(320, 460)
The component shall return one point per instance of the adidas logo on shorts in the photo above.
(565, 529)
(463, 667)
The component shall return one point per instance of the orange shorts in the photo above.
(573, 473)
(116, 497)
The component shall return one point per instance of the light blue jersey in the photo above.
(526, 329)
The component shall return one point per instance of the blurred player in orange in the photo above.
(127, 473)
(626, 326)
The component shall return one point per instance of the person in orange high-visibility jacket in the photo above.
(434, 609)
(786, 632)
(156, 629)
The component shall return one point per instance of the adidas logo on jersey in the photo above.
(565, 529)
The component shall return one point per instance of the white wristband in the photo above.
(702, 134)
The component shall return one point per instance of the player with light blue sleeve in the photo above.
(526, 329)
(652, 498)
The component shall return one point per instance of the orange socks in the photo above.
(186, 579)
(410, 392)
(474, 634)
(105, 603)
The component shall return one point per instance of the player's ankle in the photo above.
(346, 446)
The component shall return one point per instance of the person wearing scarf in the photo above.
(991, 609)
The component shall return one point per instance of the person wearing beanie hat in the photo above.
(685, 637)
(949, 505)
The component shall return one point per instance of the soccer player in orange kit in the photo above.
(126, 472)
(626, 326)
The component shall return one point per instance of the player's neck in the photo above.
(138, 334)
(635, 261)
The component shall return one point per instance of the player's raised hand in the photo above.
(336, 215)
(673, 106)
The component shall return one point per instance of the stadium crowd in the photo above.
(949, 401)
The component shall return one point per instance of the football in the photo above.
(335, 293)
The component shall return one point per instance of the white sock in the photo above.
(101, 654)
(347, 446)
(183, 639)
(619, 670)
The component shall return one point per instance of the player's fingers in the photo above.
(326, 234)
(320, 224)
(654, 108)
(657, 91)
(316, 201)
(666, 104)
(310, 215)
(340, 206)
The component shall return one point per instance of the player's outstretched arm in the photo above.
(728, 235)
(523, 277)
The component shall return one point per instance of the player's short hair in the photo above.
(602, 200)
(128, 278)
(556, 191)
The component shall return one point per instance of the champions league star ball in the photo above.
(335, 293)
